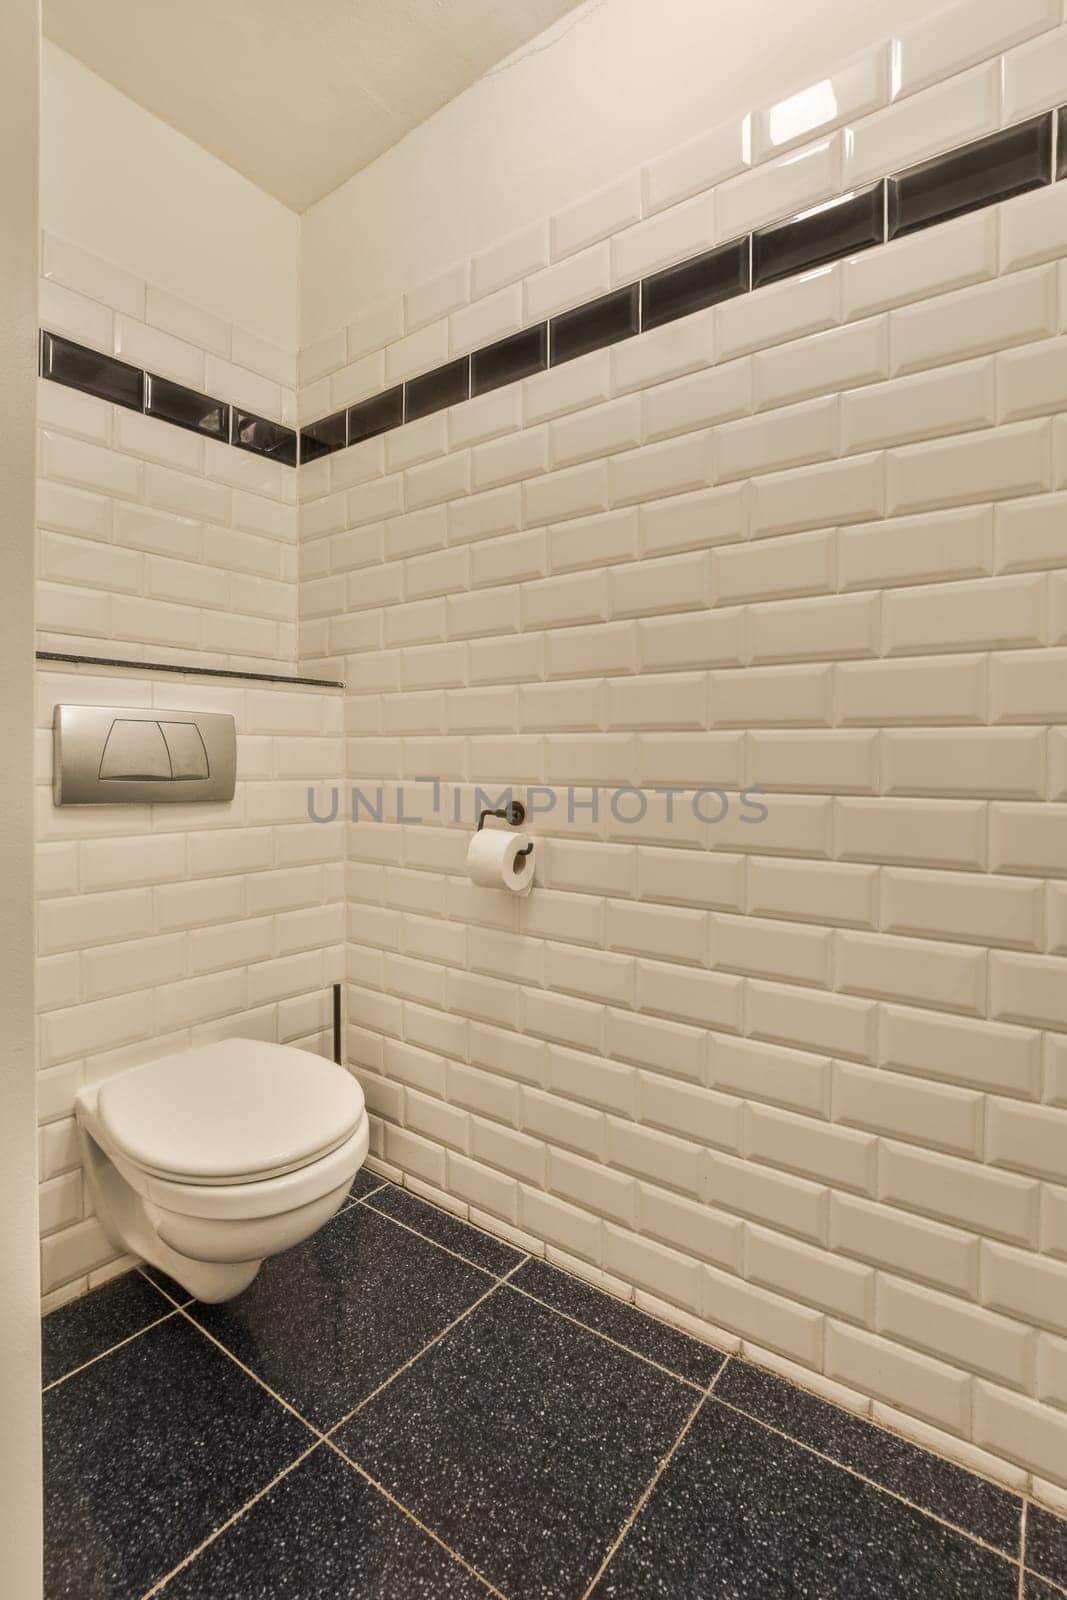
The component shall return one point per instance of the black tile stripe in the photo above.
(444, 386)
(510, 359)
(980, 173)
(839, 228)
(698, 283)
(606, 320)
(199, 672)
(76, 366)
(187, 408)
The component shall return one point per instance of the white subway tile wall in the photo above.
(159, 928)
(796, 1078)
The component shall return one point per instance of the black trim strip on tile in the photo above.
(995, 168)
(377, 415)
(837, 228)
(518, 356)
(322, 438)
(186, 408)
(842, 226)
(198, 672)
(606, 320)
(980, 173)
(434, 391)
(698, 283)
(75, 366)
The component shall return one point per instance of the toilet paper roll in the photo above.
(493, 859)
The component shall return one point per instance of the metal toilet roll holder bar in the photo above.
(514, 813)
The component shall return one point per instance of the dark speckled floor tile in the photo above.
(324, 1533)
(85, 1328)
(446, 1230)
(169, 1285)
(523, 1441)
(1046, 1544)
(365, 1183)
(326, 1323)
(1035, 1588)
(982, 1508)
(687, 1357)
(146, 1453)
(744, 1514)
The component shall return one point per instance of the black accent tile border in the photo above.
(375, 416)
(607, 320)
(518, 356)
(980, 173)
(199, 672)
(826, 232)
(187, 408)
(444, 386)
(77, 367)
(322, 438)
(704, 281)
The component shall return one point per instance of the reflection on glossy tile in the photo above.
(837, 229)
(444, 386)
(741, 1511)
(85, 1328)
(186, 408)
(614, 316)
(263, 438)
(372, 417)
(324, 1533)
(992, 169)
(1046, 1544)
(475, 1246)
(148, 1450)
(619, 1321)
(322, 438)
(703, 281)
(78, 367)
(523, 1441)
(325, 1323)
(510, 359)
(980, 1507)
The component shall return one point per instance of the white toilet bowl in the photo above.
(205, 1162)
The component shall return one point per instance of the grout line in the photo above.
(317, 1431)
(222, 1527)
(422, 1526)
(643, 1499)
(872, 1483)
(410, 1362)
(618, 1344)
(111, 1348)
(407, 1226)
(1022, 1552)
(177, 1304)
(879, 1426)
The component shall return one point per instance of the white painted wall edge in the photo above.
(20, 1329)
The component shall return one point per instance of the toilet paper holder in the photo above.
(514, 813)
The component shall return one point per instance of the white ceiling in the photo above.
(296, 94)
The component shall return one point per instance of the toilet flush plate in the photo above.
(107, 755)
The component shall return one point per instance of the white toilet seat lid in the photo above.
(230, 1112)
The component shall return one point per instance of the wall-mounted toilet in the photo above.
(204, 1162)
